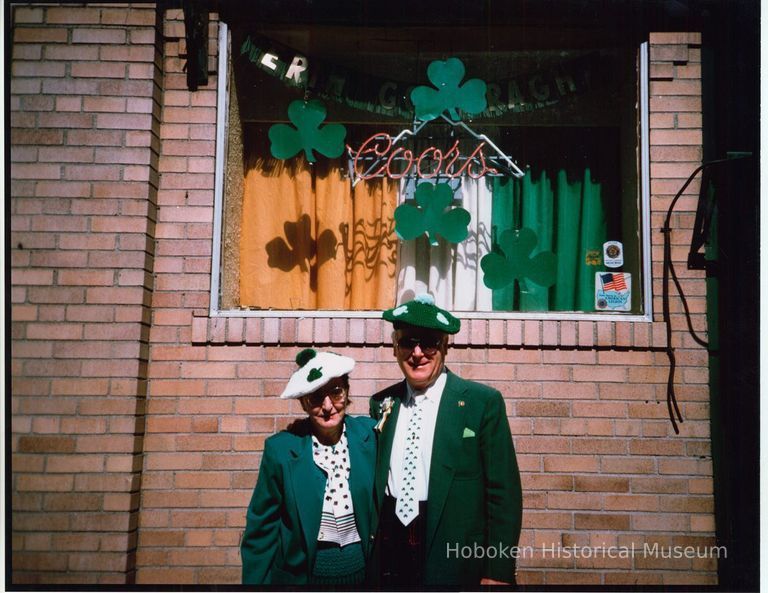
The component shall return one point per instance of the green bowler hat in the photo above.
(422, 312)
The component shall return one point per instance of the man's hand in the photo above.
(487, 581)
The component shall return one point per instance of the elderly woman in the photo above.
(309, 519)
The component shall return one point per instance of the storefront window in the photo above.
(508, 183)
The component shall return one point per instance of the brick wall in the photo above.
(84, 122)
(586, 401)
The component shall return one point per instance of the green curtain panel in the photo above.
(567, 226)
(505, 205)
(537, 201)
(568, 217)
(593, 234)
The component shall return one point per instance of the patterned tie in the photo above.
(407, 507)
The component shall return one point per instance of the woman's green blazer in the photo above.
(283, 517)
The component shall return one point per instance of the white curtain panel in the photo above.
(470, 293)
(450, 273)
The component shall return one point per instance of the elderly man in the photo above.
(447, 483)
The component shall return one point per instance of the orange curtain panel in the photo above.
(311, 241)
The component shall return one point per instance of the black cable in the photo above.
(694, 335)
(669, 269)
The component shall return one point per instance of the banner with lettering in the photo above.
(324, 80)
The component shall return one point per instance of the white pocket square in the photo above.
(468, 432)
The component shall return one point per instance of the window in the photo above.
(542, 185)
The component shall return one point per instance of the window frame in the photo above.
(222, 126)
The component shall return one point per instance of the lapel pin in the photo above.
(461, 403)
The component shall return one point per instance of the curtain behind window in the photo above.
(311, 241)
(567, 216)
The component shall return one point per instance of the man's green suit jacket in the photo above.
(475, 497)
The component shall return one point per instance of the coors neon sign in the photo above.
(382, 155)
(396, 162)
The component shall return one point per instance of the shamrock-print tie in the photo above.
(407, 507)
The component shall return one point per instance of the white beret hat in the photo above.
(315, 370)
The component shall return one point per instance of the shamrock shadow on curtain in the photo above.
(301, 249)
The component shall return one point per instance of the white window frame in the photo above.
(221, 152)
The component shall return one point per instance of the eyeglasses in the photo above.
(336, 393)
(429, 344)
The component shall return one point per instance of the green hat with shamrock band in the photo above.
(315, 370)
(422, 312)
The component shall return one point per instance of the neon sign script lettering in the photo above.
(379, 156)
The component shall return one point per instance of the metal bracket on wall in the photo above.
(196, 18)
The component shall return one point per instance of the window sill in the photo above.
(518, 333)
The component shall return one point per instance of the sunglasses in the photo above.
(316, 399)
(429, 344)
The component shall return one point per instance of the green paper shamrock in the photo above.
(315, 374)
(430, 216)
(515, 261)
(307, 116)
(449, 96)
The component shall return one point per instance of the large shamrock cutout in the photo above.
(515, 261)
(449, 96)
(307, 116)
(430, 216)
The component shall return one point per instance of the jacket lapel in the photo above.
(308, 483)
(446, 448)
(361, 454)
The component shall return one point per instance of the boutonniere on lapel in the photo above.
(385, 408)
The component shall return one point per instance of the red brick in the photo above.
(675, 104)
(86, 277)
(601, 484)
(671, 52)
(43, 483)
(46, 444)
(571, 463)
(530, 372)
(569, 390)
(235, 327)
(33, 277)
(676, 87)
(586, 333)
(171, 424)
(106, 483)
(163, 574)
(599, 409)
(702, 523)
(74, 463)
(624, 391)
(656, 447)
(224, 498)
(605, 521)
(28, 463)
(542, 409)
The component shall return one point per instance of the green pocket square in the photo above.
(468, 432)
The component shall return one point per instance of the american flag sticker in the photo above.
(613, 291)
